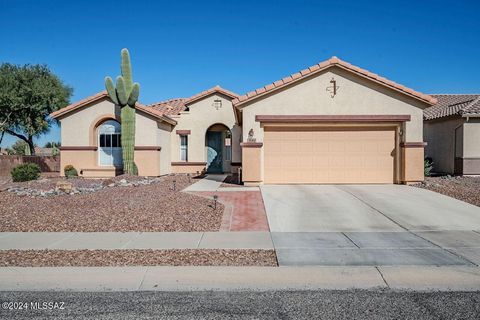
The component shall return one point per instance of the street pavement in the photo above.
(331, 305)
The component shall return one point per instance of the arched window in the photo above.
(109, 144)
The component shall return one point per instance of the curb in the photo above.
(238, 278)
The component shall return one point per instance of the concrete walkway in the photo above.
(213, 182)
(134, 240)
(237, 278)
(210, 183)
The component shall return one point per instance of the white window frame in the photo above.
(184, 148)
(111, 128)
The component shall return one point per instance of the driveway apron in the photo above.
(370, 225)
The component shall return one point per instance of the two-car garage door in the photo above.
(329, 155)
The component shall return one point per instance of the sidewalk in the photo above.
(238, 278)
(134, 240)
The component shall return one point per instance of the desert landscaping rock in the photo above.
(60, 186)
(139, 207)
(101, 258)
(462, 188)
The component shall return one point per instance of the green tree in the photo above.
(20, 147)
(52, 145)
(28, 94)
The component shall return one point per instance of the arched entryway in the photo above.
(109, 144)
(218, 145)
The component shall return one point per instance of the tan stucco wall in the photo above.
(147, 162)
(251, 165)
(79, 159)
(198, 119)
(164, 132)
(145, 130)
(79, 129)
(471, 136)
(412, 161)
(76, 126)
(355, 96)
(440, 138)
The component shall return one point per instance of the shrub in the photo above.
(70, 171)
(25, 172)
(427, 167)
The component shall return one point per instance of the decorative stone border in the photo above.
(64, 187)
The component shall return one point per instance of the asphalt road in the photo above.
(249, 305)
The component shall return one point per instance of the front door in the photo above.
(214, 152)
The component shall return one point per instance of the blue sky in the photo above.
(183, 47)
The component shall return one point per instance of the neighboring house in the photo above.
(452, 130)
(330, 123)
(39, 151)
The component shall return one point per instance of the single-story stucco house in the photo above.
(452, 130)
(331, 123)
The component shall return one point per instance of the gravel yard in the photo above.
(102, 258)
(462, 188)
(155, 207)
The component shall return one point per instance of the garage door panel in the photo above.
(346, 155)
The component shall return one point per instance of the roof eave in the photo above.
(314, 70)
(104, 95)
(209, 92)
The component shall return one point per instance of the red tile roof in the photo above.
(170, 107)
(177, 105)
(216, 89)
(103, 95)
(333, 61)
(453, 104)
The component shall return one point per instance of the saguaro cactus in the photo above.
(125, 94)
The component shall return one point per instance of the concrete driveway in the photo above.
(313, 208)
(370, 225)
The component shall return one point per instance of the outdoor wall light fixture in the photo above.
(251, 133)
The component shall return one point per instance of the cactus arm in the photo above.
(121, 91)
(134, 95)
(111, 89)
(126, 69)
